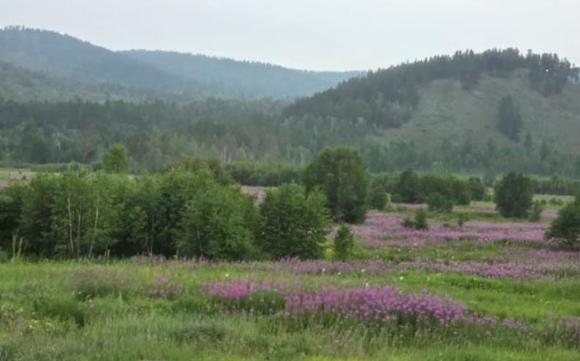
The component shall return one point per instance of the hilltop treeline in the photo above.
(386, 98)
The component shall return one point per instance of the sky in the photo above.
(310, 34)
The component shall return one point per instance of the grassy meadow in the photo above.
(472, 287)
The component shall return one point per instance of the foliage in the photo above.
(270, 174)
(340, 174)
(294, 224)
(214, 225)
(408, 187)
(567, 226)
(196, 165)
(509, 119)
(439, 203)
(421, 219)
(420, 222)
(116, 160)
(343, 243)
(536, 211)
(476, 188)
(378, 197)
(513, 195)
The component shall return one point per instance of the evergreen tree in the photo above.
(343, 243)
(509, 119)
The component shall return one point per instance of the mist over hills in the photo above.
(141, 75)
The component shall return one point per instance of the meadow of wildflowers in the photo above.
(488, 289)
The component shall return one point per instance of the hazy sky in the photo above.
(310, 34)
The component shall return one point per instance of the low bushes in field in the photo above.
(100, 281)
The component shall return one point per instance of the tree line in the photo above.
(193, 209)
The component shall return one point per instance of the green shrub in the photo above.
(439, 203)
(409, 187)
(566, 227)
(536, 211)
(378, 197)
(343, 243)
(461, 219)
(513, 195)
(421, 219)
(420, 222)
(476, 188)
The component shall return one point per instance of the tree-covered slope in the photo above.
(449, 113)
(240, 78)
(162, 75)
(65, 56)
(456, 99)
(20, 84)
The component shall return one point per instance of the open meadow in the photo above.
(471, 287)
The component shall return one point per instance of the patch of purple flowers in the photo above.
(369, 304)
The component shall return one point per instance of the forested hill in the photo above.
(240, 78)
(470, 98)
(142, 75)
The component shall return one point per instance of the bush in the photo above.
(408, 187)
(294, 224)
(476, 188)
(439, 203)
(461, 219)
(343, 243)
(378, 197)
(461, 192)
(420, 222)
(513, 195)
(341, 175)
(536, 212)
(421, 219)
(566, 227)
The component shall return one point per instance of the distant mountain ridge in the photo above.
(148, 72)
(241, 78)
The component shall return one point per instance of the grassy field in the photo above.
(511, 297)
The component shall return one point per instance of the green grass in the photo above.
(42, 317)
(84, 310)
